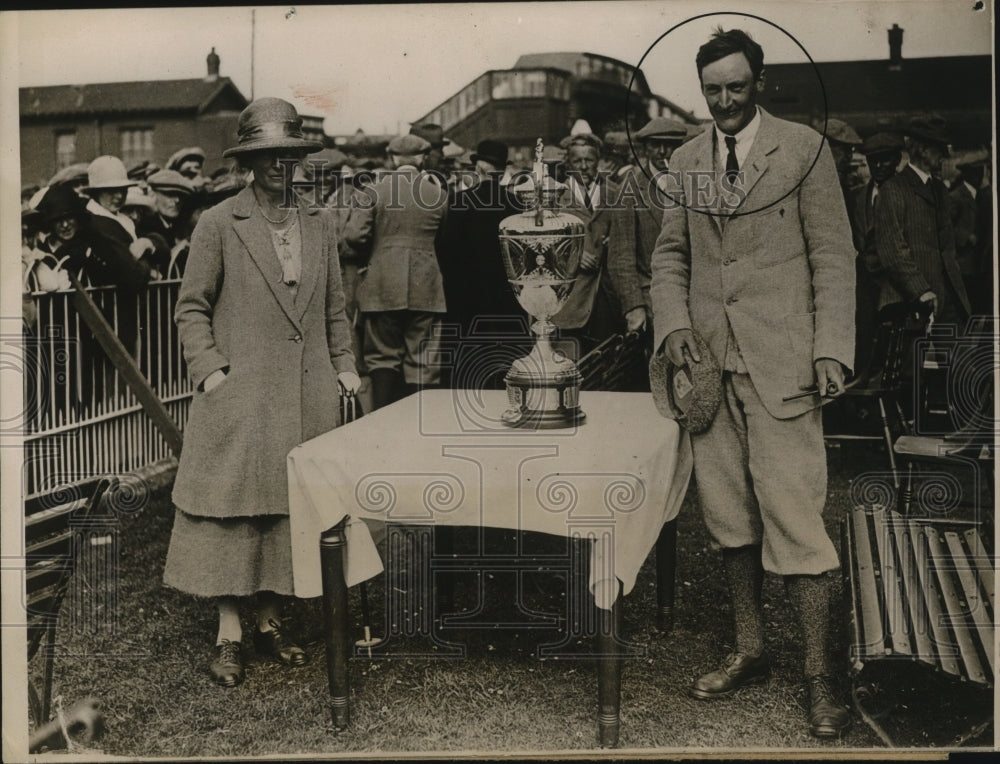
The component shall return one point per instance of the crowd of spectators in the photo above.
(103, 224)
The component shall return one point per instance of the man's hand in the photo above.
(930, 297)
(829, 377)
(635, 319)
(589, 262)
(678, 342)
(350, 381)
(213, 380)
(140, 247)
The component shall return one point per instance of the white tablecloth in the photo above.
(442, 457)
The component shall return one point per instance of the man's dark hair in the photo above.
(725, 44)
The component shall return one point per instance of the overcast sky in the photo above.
(381, 67)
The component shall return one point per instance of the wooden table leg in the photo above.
(666, 568)
(331, 550)
(609, 675)
(444, 582)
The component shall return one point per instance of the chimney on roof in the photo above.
(213, 65)
(895, 45)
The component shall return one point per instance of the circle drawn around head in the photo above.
(670, 200)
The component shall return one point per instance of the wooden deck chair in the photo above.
(881, 380)
(49, 561)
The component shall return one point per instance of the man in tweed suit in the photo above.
(756, 257)
(607, 296)
(401, 295)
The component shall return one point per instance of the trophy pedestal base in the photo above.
(543, 390)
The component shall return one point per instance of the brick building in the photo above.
(65, 124)
(879, 95)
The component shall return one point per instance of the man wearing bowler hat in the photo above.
(395, 223)
(759, 262)
(883, 152)
(914, 239)
(490, 158)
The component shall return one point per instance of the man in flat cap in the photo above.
(883, 152)
(914, 239)
(759, 262)
(843, 140)
(166, 227)
(395, 223)
(434, 162)
(607, 295)
(658, 139)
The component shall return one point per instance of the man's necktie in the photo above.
(732, 166)
(935, 191)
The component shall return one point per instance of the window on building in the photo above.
(137, 145)
(65, 148)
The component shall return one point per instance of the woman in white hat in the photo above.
(261, 318)
(107, 186)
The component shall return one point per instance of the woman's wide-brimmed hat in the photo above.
(61, 201)
(106, 173)
(268, 124)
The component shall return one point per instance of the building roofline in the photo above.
(223, 84)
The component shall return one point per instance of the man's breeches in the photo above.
(762, 480)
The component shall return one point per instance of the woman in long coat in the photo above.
(261, 318)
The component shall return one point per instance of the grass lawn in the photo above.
(151, 674)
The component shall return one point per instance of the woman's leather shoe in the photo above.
(738, 670)
(827, 717)
(227, 667)
(279, 646)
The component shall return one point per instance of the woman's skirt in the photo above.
(237, 556)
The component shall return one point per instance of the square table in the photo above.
(443, 458)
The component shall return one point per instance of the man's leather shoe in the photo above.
(279, 646)
(738, 670)
(827, 717)
(227, 667)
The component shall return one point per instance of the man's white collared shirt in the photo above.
(924, 176)
(744, 141)
(593, 192)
